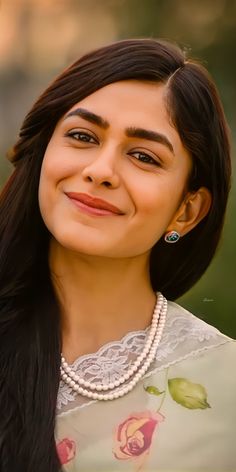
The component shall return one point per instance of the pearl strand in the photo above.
(99, 387)
(124, 390)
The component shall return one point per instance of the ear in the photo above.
(192, 210)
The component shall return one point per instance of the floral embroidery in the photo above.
(188, 394)
(134, 436)
(66, 450)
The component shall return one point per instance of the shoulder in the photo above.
(201, 351)
(186, 336)
(186, 321)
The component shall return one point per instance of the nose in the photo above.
(103, 169)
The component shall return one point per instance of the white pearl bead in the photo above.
(95, 396)
(146, 350)
(116, 383)
(116, 395)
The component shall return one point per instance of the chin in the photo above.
(79, 245)
(93, 243)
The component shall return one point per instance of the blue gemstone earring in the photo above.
(172, 237)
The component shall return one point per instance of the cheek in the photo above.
(49, 177)
(156, 204)
(155, 200)
(56, 166)
(44, 197)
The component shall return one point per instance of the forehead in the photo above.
(128, 97)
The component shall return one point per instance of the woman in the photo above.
(116, 203)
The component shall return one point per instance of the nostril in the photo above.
(107, 184)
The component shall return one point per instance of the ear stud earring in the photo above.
(172, 237)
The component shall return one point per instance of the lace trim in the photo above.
(149, 373)
(181, 337)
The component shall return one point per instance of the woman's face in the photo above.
(116, 145)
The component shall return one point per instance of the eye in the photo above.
(144, 157)
(81, 136)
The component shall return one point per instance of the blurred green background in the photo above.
(39, 37)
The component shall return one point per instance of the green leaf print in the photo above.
(188, 394)
(153, 390)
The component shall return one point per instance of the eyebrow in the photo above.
(150, 136)
(89, 116)
(131, 132)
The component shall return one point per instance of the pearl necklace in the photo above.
(146, 357)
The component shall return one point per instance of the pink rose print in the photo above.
(66, 450)
(134, 436)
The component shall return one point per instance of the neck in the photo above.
(101, 298)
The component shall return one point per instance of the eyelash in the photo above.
(153, 161)
(73, 134)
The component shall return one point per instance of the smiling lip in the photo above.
(95, 205)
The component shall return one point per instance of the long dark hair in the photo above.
(30, 338)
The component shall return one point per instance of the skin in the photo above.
(108, 256)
